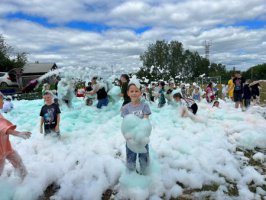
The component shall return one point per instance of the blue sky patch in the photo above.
(79, 25)
(39, 20)
(248, 24)
(252, 24)
(142, 29)
(87, 26)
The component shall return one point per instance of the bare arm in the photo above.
(94, 91)
(24, 135)
(41, 124)
(146, 117)
(58, 122)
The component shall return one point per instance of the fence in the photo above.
(206, 80)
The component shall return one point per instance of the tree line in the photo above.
(170, 61)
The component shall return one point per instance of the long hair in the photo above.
(125, 76)
(177, 95)
(210, 85)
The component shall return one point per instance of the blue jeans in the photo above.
(143, 160)
(102, 102)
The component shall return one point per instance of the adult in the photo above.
(124, 80)
(99, 89)
(255, 92)
(231, 88)
(209, 93)
(238, 89)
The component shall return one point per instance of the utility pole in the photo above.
(207, 45)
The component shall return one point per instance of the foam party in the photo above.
(186, 152)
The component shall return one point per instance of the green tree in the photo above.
(6, 62)
(256, 72)
(166, 61)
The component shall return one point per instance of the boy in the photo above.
(6, 150)
(50, 115)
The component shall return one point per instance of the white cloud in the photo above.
(190, 22)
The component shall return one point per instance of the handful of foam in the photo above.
(114, 93)
(136, 132)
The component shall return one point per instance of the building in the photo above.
(31, 71)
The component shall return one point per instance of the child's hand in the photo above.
(56, 129)
(25, 135)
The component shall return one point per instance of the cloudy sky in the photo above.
(105, 33)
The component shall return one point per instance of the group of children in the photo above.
(131, 92)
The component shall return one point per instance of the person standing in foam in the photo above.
(136, 129)
(6, 150)
(8, 105)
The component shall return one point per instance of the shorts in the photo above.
(193, 108)
(237, 97)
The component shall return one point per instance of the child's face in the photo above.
(48, 99)
(123, 79)
(134, 93)
(177, 99)
(216, 104)
(1, 102)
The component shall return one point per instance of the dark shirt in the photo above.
(238, 84)
(246, 92)
(49, 114)
(101, 94)
(88, 88)
(255, 90)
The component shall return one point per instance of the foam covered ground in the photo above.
(90, 157)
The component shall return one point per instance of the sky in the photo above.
(111, 35)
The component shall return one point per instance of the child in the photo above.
(216, 104)
(209, 93)
(162, 100)
(8, 105)
(141, 110)
(124, 84)
(45, 87)
(231, 88)
(187, 105)
(6, 150)
(196, 95)
(50, 115)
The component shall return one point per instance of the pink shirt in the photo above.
(5, 145)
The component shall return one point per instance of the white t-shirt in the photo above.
(7, 107)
